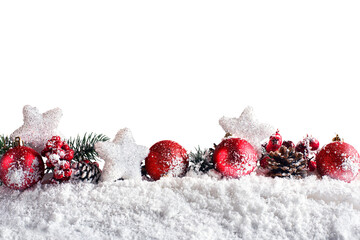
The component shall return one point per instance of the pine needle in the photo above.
(201, 160)
(84, 146)
(5, 144)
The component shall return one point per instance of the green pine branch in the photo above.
(84, 146)
(201, 160)
(5, 144)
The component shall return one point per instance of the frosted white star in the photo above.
(247, 127)
(38, 128)
(122, 157)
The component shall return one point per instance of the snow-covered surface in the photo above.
(253, 207)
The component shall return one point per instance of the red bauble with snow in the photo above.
(235, 157)
(338, 160)
(166, 158)
(21, 167)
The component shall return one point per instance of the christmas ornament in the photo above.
(166, 158)
(37, 127)
(338, 160)
(264, 161)
(235, 157)
(21, 167)
(307, 146)
(86, 170)
(122, 157)
(59, 156)
(274, 143)
(247, 127)
(288, 144)
(286, 162)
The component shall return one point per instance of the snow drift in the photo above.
(197, 207)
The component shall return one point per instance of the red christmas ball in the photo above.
(21, 167)
(338, 160)
(166, 158)
(235, 157)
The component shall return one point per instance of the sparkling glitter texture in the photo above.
(122, 157)
(37, 127)
(247, 127)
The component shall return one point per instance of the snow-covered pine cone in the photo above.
(86, 171)
(286, 162)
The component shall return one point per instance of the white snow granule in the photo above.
(350, 164)
(176, 167)
(198, 207)
(15, 175)
(18, 174)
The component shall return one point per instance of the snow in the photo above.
(350, 164)
(196, 207)
(16, 176)
(176, 167)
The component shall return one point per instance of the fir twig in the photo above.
(84, 146)
(201, 160)
(5, 144)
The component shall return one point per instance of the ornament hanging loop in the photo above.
(18, 142)
(227, 135)
(337, 139)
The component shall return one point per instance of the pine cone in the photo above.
(86, 171)
(286, 163)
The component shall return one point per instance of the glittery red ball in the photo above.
(235, 157)
(338, 160)
(21, 167)
(166, 158)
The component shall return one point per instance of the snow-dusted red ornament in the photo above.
(21, 167)
(235, 157)
(166, 158)
(339, 160)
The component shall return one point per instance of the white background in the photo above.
(171, 69)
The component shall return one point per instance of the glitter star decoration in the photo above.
(247, 127)
(38, 128)
(122, 157)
